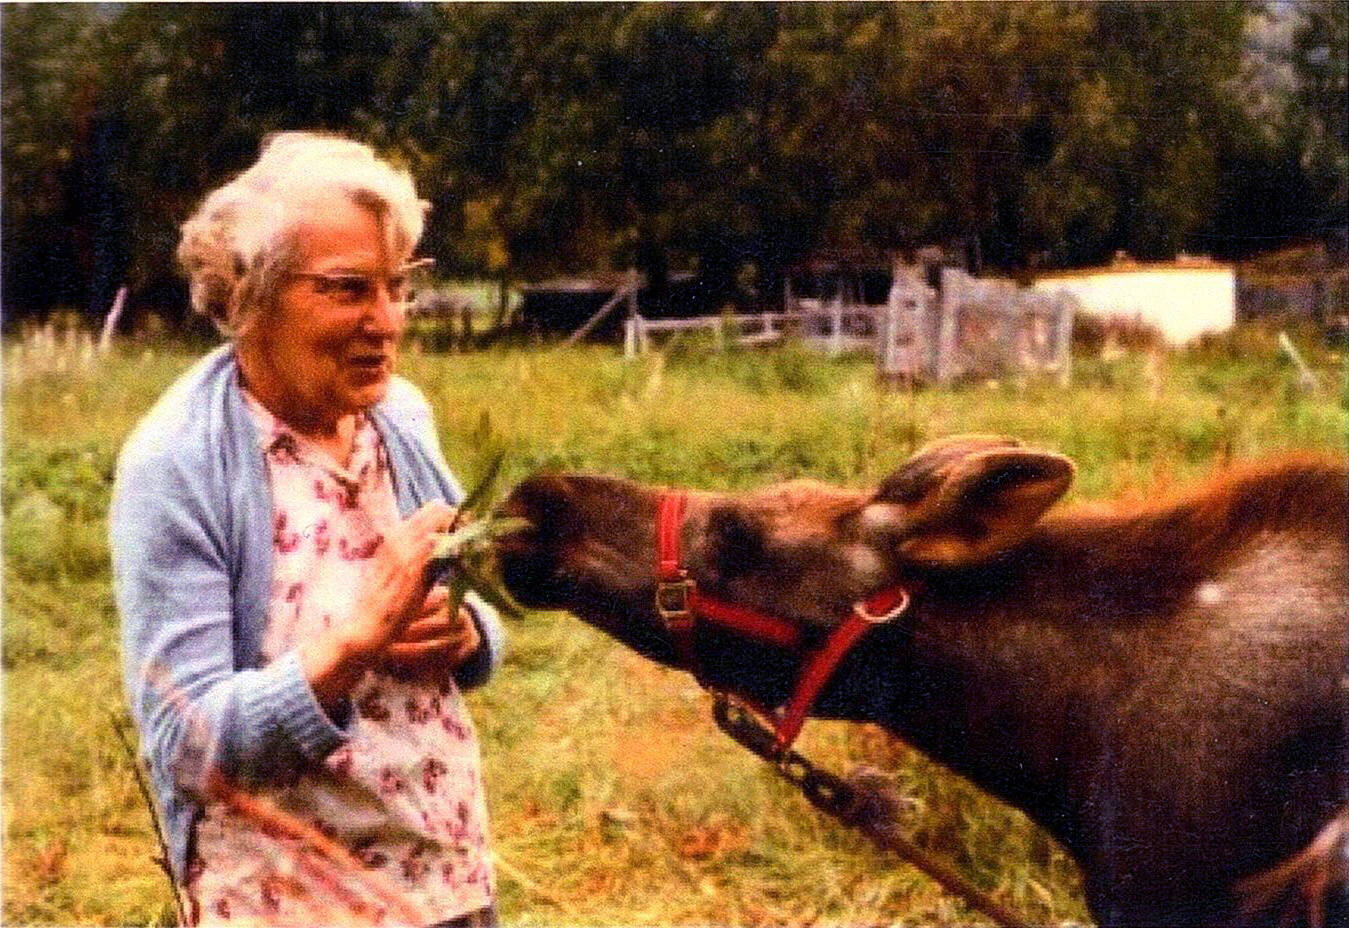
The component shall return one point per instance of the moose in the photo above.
(1161, 687)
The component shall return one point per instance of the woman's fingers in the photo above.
(417, 659)
(435, 621)
(430, 657)
(397, 589)
(432, 619)
(432, 627)
(440, 638)
(432, 518)
(404, 651)
(437, 599)
(413, 540)
(411, 548)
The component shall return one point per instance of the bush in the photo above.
(55, 508)
(1096, 334)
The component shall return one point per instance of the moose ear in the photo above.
(963, 500)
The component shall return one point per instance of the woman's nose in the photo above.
(386, 311)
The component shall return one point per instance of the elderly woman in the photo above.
(272, 523)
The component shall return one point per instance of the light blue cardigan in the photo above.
(191, 536)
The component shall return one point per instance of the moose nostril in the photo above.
(529, 558)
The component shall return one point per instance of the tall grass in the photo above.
(613, 798)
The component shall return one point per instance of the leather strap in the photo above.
(820, 666)
(680, 604)
(669, 522)
(674, 591)
(746, 621)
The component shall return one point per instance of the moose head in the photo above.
(803, 550)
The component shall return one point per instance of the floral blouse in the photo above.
(405, 795)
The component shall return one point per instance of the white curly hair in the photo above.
(238, 246)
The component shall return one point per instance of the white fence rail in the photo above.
(828, 329)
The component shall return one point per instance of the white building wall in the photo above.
(1181, 302)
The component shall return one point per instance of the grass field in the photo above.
(614, 800)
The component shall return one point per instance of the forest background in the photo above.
(725, 139)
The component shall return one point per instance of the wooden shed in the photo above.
(1182, 299)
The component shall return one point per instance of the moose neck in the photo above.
(994, 675)
(1033, 674)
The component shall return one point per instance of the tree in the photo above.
(47, 95)
(1322, 65)
(163, 102)
(726, 138)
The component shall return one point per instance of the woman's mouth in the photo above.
(368, 362)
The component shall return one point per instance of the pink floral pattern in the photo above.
(404, 794)
(432, 771)
(372, 706)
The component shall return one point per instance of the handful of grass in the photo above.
(468, 548)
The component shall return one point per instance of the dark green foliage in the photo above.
(730, 139)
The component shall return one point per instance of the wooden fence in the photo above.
(968, 327)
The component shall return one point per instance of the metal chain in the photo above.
(865, 809)
(163, 859)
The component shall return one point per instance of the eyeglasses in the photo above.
(355, 287)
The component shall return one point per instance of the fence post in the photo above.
(628, 291)
(836, 337)
(1012, 313)
(110, 321)
(946, 340)
(1063, 346)
(630, 337)
(1306, 380)
(931, 332)
(888, 356)
(948, 305)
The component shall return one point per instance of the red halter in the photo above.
(680, 605)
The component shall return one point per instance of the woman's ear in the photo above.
(964, 500)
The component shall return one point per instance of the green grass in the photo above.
(614, 799)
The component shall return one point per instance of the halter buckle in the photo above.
(672, 601)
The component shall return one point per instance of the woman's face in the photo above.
(328, 346)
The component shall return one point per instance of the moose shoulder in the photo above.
(1159, 688)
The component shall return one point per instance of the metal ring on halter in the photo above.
(861, 610)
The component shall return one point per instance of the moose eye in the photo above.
(737, 541)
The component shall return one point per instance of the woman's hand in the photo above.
(392, 595)
(433, 644)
